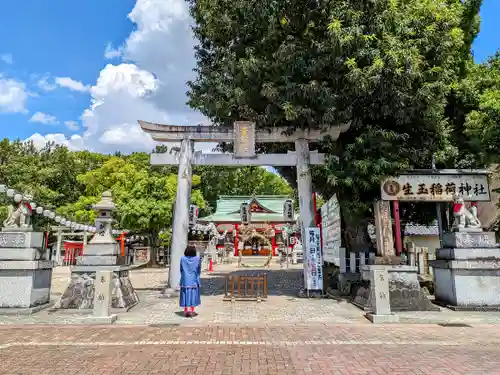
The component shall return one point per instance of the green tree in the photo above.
(385, 67)
(480, 95)
(144, 199)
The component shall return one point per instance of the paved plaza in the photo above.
(282, 305)
(249, 350)
(283, 335)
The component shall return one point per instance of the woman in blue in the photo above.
(190, 281)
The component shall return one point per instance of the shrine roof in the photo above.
(228, 208)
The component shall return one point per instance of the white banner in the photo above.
(313, 264)
(331, 230)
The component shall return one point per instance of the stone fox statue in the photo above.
(19, 217)
(463, 218)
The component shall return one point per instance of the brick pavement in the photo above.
(225, 350)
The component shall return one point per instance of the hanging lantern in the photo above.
(57, 219)
(46, 213)
(3, 188)
(18, 198)
(33, 205)
(39, 210)
(11, 192)
(52, 215)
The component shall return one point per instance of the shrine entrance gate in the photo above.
(244, 137)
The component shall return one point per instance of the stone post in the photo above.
(304, 184)
(421, 262)
(58, 247)
(180, 228)
(379, 285)
(383, 228)
(103, 296)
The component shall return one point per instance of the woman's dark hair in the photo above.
(190, 251)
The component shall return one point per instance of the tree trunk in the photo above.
(356, 238)
(153, 237)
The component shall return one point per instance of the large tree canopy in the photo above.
(383, 66)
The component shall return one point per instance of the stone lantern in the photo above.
(100, 255)
(105, 209)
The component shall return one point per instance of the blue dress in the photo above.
(190, 281)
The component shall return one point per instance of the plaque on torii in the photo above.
(244, 136)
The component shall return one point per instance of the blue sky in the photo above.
(58, 83)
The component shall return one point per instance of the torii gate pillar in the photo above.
(180, 227)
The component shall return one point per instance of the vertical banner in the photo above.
(193, 214)
(332, 231)
(314, 263)
(245, 213)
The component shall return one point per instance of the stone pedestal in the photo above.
(467, 271)
(379, 290)
(25, 274)
(405, 293)
(81, 290)
(100, 254)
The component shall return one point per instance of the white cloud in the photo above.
(150, 83)
(112, 53)
(44, 118)
(71, 84)
(72, 125)
(7, 58)
(13, 96)
(74, 143)
(44, 84)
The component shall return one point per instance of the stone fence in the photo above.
(351, 262)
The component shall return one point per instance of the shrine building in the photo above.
(266, 217)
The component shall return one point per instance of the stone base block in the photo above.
(464, 254)
(102, 249)
(405, 293)
(80, 292)
(469, 239)
(97, 260)
(382, 319)
(20, 238)
(12, 253)
(24, 311)
(25, 285)
(469, 279)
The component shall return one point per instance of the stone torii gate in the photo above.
(244, 136)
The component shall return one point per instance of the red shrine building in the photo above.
(267, 218)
